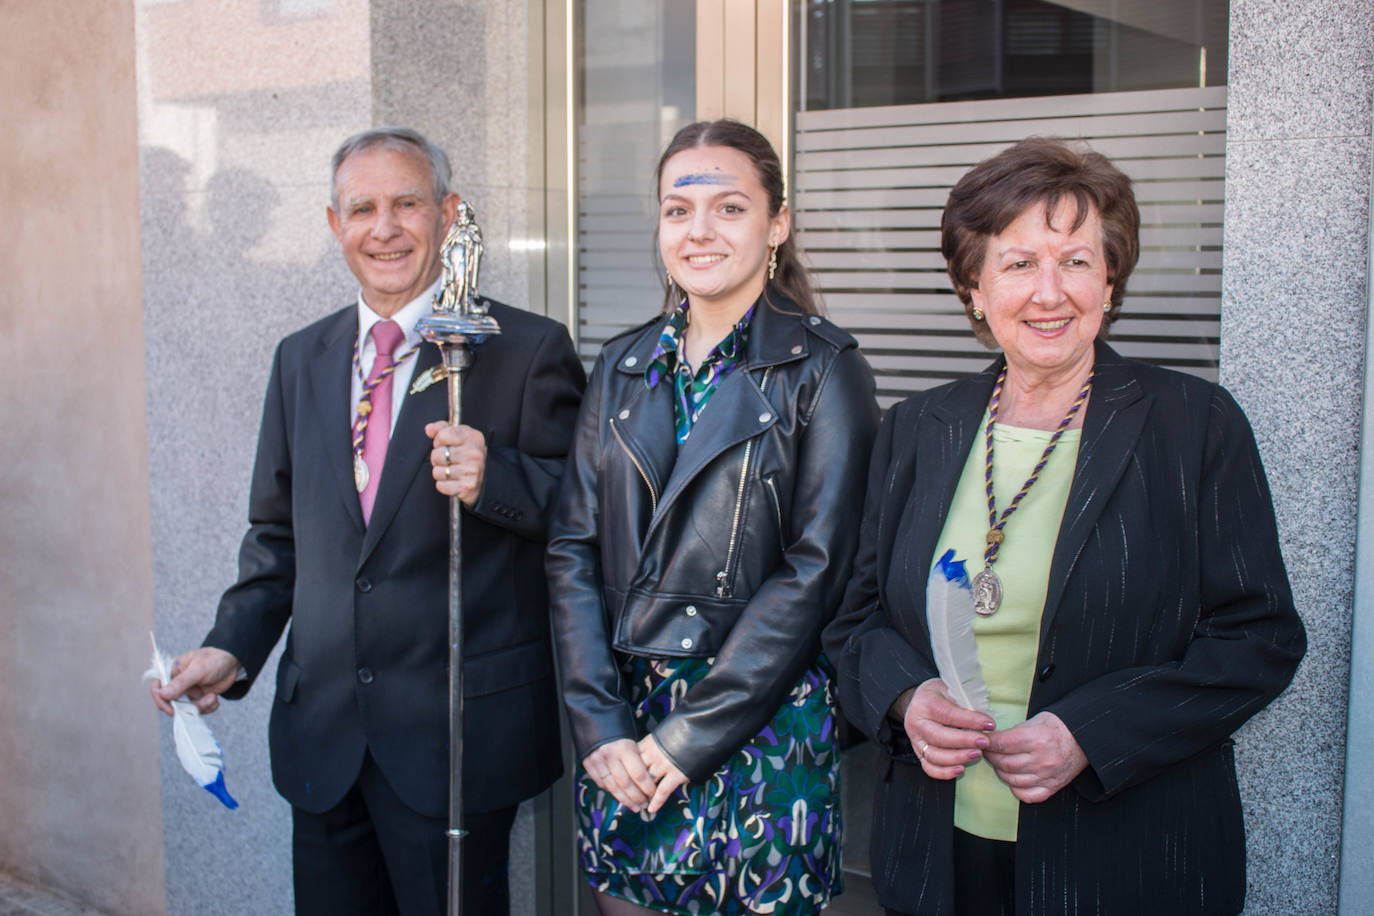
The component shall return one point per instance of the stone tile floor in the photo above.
(20, 899)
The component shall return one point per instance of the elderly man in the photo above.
(349, 541)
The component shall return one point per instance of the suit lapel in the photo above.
(943, 437)
(1111, 427)
(330, 370)
(408, 449)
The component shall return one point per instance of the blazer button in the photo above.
(1046, 671)
(625, 414)
(691, 610)
(364, 584)
(687, 643)
(365, 675)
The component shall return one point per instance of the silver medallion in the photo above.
(360, 475)
(987, 592)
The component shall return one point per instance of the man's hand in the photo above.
(459, 459)
(201, 675)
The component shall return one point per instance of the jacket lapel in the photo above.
(408, 449)
(738, 409)
(943, 437)
(643, 422)
(329, 378)
(1111, 427)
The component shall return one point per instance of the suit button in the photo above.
(687, 643)
(364, 584)
(365, 675)
(691, 610)
(1046, 671)
(765, 417)
(625, 414)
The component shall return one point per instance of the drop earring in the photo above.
(773, 261)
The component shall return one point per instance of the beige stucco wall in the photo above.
(79, 801)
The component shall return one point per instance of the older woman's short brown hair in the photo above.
(996, 191)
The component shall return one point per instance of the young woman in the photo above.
(703, 535)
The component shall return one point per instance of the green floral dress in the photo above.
(762, 834)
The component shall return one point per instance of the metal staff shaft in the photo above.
(457, 358)
(458, 323)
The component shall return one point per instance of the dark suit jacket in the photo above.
(1168, 622)
(366, 660)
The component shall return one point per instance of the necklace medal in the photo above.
(360, 474)
(987, 592)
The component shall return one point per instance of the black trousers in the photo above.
(371, 855)
(984, 876)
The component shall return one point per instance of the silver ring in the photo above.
(921, 751)
(447, 460)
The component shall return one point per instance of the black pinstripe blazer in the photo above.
(1168, 622)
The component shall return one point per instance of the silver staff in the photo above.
(458, 323)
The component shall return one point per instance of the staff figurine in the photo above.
(458, 323)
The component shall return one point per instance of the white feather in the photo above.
(196, 746)
(949, 614)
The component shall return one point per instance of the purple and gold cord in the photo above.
(365, 402)
(995, 525)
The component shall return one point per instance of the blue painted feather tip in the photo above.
(952, 569)
(218, 790)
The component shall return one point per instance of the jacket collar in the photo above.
(329, 379)
(738, 410)
(1115, 415)
(777, 335)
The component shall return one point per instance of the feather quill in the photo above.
(949, 614)
(197, 748)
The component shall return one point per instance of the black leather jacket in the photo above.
(737, 546)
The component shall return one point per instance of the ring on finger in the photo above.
(447, 460)
(922, 748)
(448, 472)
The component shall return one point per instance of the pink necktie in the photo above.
(386, 335)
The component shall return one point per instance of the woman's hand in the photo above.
(616, 767)
(669, 777)
(1036, 758)
(459, 459)
(946, 736)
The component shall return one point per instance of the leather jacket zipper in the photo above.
(777, 503)
(723, 577)
(653, 494)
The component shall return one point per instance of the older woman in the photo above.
(704, 532)
(1128, 603)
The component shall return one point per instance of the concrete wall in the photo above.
(1294, 310)
(79, 775)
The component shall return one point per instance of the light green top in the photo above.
(1008, 641)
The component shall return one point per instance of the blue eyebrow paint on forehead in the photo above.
(716, 177)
